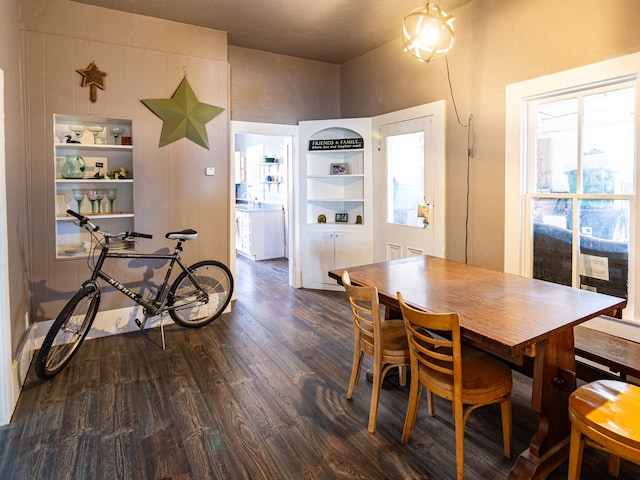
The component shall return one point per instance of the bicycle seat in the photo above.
(188, 234)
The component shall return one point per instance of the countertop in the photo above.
(244, 206)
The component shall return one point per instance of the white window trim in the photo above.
(515, 170)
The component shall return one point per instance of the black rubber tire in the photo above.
(61, 342)
(216, 280)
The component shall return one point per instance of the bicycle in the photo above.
(198, 295)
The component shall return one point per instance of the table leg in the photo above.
(554, 379)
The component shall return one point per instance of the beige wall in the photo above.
(143, 58)
(498, 42)
(271, 88)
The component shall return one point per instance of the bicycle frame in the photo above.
(158, 304)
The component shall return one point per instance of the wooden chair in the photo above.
(385, 341)
(604, 415)
(463, 375)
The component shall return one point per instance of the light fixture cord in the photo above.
(468, 126)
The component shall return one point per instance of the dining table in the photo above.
(524, 321)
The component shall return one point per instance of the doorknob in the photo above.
(424, 212)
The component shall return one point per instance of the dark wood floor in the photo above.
(258, 394)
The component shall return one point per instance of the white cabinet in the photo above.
(260, 233)
(328, 250)
(334, 203)
(94, 177)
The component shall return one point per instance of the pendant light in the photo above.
(427, 33)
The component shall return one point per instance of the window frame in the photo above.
(519, 96)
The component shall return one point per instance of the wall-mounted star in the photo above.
(92, 77)
(183, 115)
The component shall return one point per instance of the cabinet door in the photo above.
(319, 259)
(244, 232)
(349, 250)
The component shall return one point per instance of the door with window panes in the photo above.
(581, 151)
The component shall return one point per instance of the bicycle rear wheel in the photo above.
(67, 332)
(191, 307)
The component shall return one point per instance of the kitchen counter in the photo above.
(248, 206)
(260, 230)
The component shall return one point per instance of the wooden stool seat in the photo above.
(603, 415)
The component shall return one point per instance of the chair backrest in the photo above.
(434, 353)
(365, 308)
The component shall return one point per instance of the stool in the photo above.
(603, 415)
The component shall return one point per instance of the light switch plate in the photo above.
(209, 171)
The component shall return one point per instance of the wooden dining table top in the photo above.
(502, 312)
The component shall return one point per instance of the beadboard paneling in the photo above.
(171, 191)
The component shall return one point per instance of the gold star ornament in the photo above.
(183, 115)
(92, 77)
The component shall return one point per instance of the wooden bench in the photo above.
(620, 357)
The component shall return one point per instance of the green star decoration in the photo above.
(183, 115)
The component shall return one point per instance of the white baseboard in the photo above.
(20, 367)
(110, 322)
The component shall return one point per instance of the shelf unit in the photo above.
(268, 174)
(112, 156)
(335, 179)
(330, 194)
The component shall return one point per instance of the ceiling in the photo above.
(331, 31)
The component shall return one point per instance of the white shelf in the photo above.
(337, 177)
(93, 216)
(335, 199)
(93, 180)
(91, 146)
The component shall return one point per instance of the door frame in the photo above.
(7, 402)
(257, 128)
(436, 110)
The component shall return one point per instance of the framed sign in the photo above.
(337, 144)
(342, 217)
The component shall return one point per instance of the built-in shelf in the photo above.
(102, 155)
(335, 176)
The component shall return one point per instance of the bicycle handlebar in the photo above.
(86, 221)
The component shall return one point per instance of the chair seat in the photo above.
(610, 408)
(394, 340)
(483, 375)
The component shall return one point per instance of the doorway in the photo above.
(263, 155)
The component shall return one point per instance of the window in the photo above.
(580, 183)
(405, 182)
(571, 174)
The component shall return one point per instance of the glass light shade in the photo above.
(427, 33)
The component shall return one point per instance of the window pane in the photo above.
(604, 246)
(556, 146)
(608, 142)
(552, 241)
(405, 171)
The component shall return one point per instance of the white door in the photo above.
(409, 173)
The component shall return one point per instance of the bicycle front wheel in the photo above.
(191, 306)
(67, 332)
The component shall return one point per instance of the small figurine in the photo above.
(69, 140)
(322, 219)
